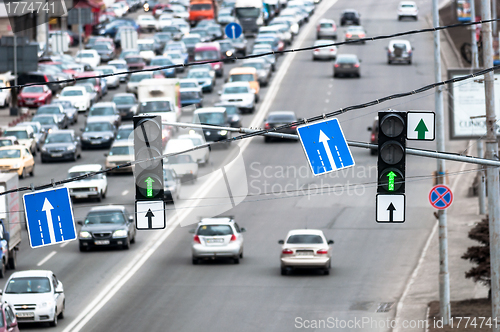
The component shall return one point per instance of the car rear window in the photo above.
(326, 25)
(305, 239)
(215, 230)
(281, 118)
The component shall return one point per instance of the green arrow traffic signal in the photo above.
(421, 129)
(391, 177)
(149, 186)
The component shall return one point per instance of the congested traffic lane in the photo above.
(371, 262)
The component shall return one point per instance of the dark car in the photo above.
(214, 116)
(227, 49)
(279, 118)
(39, 77)
(215, 31)
(125, 132)
(349, 16)
(105, 51)
(190, 42)
(174, 32)
(191, 96)
(162, 39)
(47, 121)
(374, 135)
(127, 104)
(71, 112)
(233, 114)
(98, 134)
(346, 65)
(240, 44)
(135, 62)
(61, 145)
(106, 226)
(203, 33)
(172, 185)
(57, 110)
(163, 61)
(111, 28)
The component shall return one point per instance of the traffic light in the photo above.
(147, 145)
(391, 152)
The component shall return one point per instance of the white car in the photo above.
(180, 11)
(111, 81)
(91, 187)
(78, 96)
(146, 49)
(90, 57)
(407, 9)
(324, 53)
(177, 58)
(239, 94)
(147, 23)
(189, 83)
(4, 96)
(118, 9)
(121, 67)
(121, 152)
(185, 164)
(36, 296)
(165, 20)
(202, 156)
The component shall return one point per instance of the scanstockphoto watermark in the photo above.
(292, 180)
(368, 323)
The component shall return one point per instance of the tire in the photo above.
(409, 62)
(132, 240)
(399, 18)
(284, 271)
(126, 246)
(236, 260)
(104, 193)
(12, 263)
(99, 198)
(195, 261)
(267, 139)
(389, 62)
(326, 272)
(83, 249)
(241, 255)
(61, 314)
(54, 322)
(23, 173)
(32, 173)
(33, 152)
(75, 157)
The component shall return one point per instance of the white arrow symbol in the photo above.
(234, 31)
(324, 139)
(47, 207)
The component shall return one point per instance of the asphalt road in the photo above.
(154, 286)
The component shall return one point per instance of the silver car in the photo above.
(346, 65)
(306, 249)
(263, 68)
(324, 53)
(399, 51)
(326, 28)
(217, 237)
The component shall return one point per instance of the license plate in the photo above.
(346, 66)
(29, 102)
(101, 242)
(25, 314)
(215, 240)
(80, 196)
(56, 155)
(95, 142)
(304, 253)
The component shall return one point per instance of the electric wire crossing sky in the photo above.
(325, 146)
(49, 217)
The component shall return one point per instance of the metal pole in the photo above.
(474, 56)
(47, 43)
(80, 30)
(444, 277)
(492, 174)
(494, 15)
(482, 186)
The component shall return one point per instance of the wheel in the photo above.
(32, 173)
(61, 314)
(326, 272)
(54, 322)
(23, 173)
(12, 263)
(195, 261)
(256, 98)
(373, 152)
(33, 152)
(105, 192)
(409, 62)
(241, 254)
(236, 260)
(399, 18)
(389, 61)
(267, 139)
(126, 246)
(83, 249)
(99, 198)
(132, 240)
(284, 271)
(75, 157)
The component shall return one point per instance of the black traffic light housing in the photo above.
(391, 152)
(148, 145)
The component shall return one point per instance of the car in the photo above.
(264, 70)
(306, 249)
(233, 114)
(239, 94)
(17, 158)
(171, 185)
(147, 23)
(135, 62)
(215, 116)
(282, 31)
(125, 132)
(98, 134)
(346, 65)
(227, 50)
(279, 118)
(113, 81)
(25, 136)
(215, 32)
(165, 20)
(70, 111)
(326, 28)
(146, 49)
(276, 44)
(162, 39)
(374, 136)
(126, 104)
(163, 61)
(90, 88)
(5, 95)
(240, 44)
(205, 80)
(78, 96)
(189, 83)
(219, 237)
(40, 78)
(8, 320)
(177, 58)
(183, 164)
(61, 145)
(269, 58)
(226, 16)
(105, 111)
(111, 28)
(174, 31)
(8, 141)
(34, 96)
(190, 40)
(105, 51)
(399, 51)
(354, 33)
(246, 74)
(90, 57)
(191, 96)
(349, 17)
(92, 78)
(289, 22)
(36, 296)
(38, 130)
(110, 226)
(324, 53)
(202, 156)
(58, 111)
(121, 152)
(207, 67)
(177, 46)
(203, 33)
(179, 11)
(125, 53)
(135, 79)
(121, 67)
(407, 9)
(95, 186)
(48, 122)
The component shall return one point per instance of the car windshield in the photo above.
(139, 77)
(58, 138)
(305, 239)
(189, 85)
(198, 74)
(125, 133)
(241, 78)
(72, 93)
(107, 71)
(91, 80)
(101, 47)
(48, 110)
(256, 65)
(101, 111)
(211, 118)
(5, 142)
(214, 230)
(161, 62)
(281, 118)
(6, 154)
(191, 40)
(163, 36)
(236, 89)
(156, 106)
(326, 25)
(123, 100)
(231, 110)
(179, 159)
(202, 33)
(28, 285)
(104, 217)
(44, 120)
(197, 7)
(146, 47)
(85, 55)
(33, 89)
(76, 174)
(134, 59)
(121, 151)
(206, 55)
(407, 5)
(189, 95)
(248, 12)
(346, 59)
(19, 134)
(98, 126)
(119, 65)
(63, 103)
(174, 56)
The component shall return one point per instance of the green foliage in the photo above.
(479, 255)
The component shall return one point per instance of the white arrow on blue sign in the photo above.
(49, 217)
(233, 30)
(325, 146)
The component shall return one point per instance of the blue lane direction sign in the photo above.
(233, 30)
(49, 217)
(325, 146)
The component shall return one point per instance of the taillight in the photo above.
(293, 127)
(322, 252)
(233, 238)
(373, 138)
(356, 65)
(362, 35)
(409, 51)
(45, 78)
(336, 65)
(287, 251)
(348, 35)
(196, 239)
(332, 50)
(317, 28)
(267, 126)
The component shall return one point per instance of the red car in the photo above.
(34, 96)
(8, 320)
(94, 80)
(135, 62)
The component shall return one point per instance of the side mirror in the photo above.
(13, 324)
(80, 223)
(59, 288)
(243, 229)
(192, 231)
(131, 218)
(281, 242)
(360, 60)
(330, 242)
(105, 155)
(369, 128)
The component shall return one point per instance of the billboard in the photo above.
(463, 10)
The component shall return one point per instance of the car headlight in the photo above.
(44, 149)
(85, 235)
(107, 137)
(217, 66)
(223, 132)
(120, 233)
(46, 304)
(71, 148)
(229, 53)
(17, 165)
(192, 132)
(84, 138)
(40, 98)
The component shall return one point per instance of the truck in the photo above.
(10, 222)
(160, 96)
(250, 14)
(202, 10)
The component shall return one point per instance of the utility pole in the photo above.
(444, 277)
(474, 51)
(482, 185)
(492, 173)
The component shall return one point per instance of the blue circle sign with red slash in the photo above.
(441, 197)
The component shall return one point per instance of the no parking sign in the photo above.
(440, 197)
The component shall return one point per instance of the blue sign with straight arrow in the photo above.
(325, 146)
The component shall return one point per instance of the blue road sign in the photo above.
(49, 216)
(325, 146)
(233, 30)
(440, 197)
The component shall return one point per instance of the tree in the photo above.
(480, 255)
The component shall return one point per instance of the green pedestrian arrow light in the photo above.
(391, 176)
(421, 129)
(149, 186)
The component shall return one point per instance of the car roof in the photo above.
(104, 103)
(216, 221)
(28, 128)
(85, 168)
(74, 87)
(305, 231)
(123, 143)
(243, 70)
(281, 113)
(62, 131)
(108, 208)
(190, 89)
(189, 80)
(122, 94)
(246, 84)
(31, 273)
(126, 125)
(399, 41)
(210, 110)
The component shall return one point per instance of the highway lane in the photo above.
(371, 262)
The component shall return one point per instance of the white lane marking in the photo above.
(60, 227)
(41, 233)
(124, 192)
(64, 244)
(321, 159)
(143, 255)
(49, 256)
